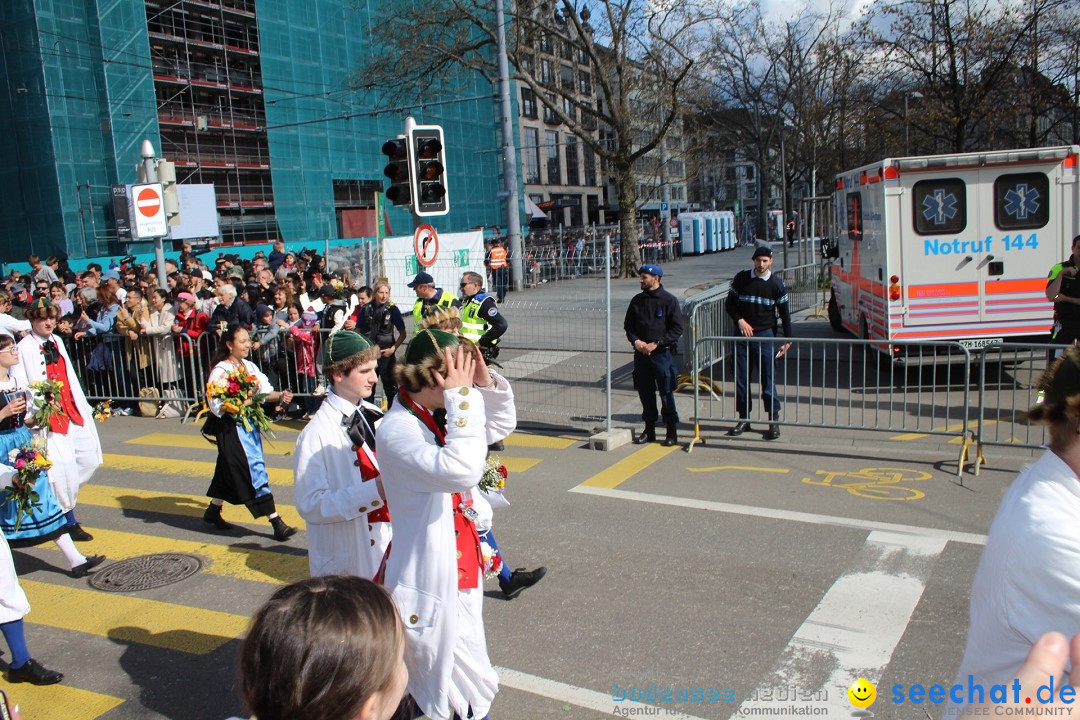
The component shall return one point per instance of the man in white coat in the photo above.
(430, 466)
(73, 444)
(337, 475)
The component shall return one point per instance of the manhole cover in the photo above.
(145, 572)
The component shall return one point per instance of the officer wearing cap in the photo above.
(653, 325)
(753, 302)
(428, 296)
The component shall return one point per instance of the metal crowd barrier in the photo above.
(1008, 386)
(841, 384)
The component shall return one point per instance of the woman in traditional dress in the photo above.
(46, 520)
(240, 476)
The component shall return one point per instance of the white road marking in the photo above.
(911, 531)
(854, 630)
(581, 697)
(532, 362)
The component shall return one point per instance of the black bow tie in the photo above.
(50, 352)
(359, 430)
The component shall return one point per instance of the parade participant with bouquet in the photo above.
(338, 489)
(235, 393)
(59, 408)
(431, 464)
(29, 513)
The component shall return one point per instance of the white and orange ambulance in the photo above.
(952, 247)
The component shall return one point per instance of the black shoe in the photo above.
(80, 571)
(521, 579)
(77, 533)
(740, 427)
(282, 532)
(213, 516)
(33, 672)
(496, 446)
(671, 440)
(773, 433)
(647, 435)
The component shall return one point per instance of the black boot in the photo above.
(740, 427)
(213, 516)
(774, 432)
(282, 532)
(647, 435)
(672, 438)
(521, 579)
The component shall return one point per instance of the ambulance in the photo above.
(952, 247)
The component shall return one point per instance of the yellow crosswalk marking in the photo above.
(243, 563)
(271, 446)
(139, 500)
(528, 440)
(132, 619)
(183, 468)
(59, 701)
(278, 476)
(629, 466)
(950, 428)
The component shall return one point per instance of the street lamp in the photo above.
(907, 125)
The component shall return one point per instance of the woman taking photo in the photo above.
(240, 475)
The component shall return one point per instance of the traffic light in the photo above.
(397, 169)
(430, 196)
(167, 177)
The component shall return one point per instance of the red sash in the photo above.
(368, 471)
(59, 422)
(469, 559)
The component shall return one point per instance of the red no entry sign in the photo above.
(148, 201)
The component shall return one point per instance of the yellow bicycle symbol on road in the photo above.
(874, 483)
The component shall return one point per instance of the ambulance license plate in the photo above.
(976, 343)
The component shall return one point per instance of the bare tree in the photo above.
(770, 86)
(957, 54)
(638, 54)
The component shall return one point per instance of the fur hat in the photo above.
(1060, 386)
(41, 308)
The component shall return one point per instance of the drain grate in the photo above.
(145, 572)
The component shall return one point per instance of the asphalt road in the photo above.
(744, 569)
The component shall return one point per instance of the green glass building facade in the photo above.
(251, 96)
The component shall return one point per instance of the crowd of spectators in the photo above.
(148, 346)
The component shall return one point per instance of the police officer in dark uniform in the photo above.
(380, 321)
(653, 325)
(1063, 289)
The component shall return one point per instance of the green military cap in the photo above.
(344, 344)
(428, 344)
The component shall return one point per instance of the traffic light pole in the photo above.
(510, 170)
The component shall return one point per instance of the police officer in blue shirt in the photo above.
(653, 325)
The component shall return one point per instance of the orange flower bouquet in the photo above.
(239, 393)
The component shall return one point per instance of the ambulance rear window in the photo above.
(939, 206)
(854, 216)
(1021, 201)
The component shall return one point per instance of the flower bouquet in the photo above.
(494, 477)
(492, 560)
(47, 398)
(239, 392)
(103, 410)
(29, 462)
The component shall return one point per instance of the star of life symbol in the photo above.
(1022, 201)
(939, 207)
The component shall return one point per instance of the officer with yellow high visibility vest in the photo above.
(428, 296)
(481, 321)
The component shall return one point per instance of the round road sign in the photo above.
(426, 245)
(148, 202)
(675, 222)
